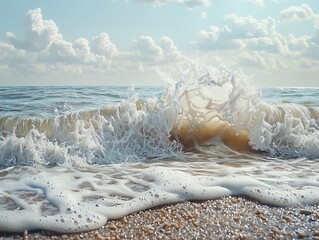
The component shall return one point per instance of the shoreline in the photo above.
(225, 218)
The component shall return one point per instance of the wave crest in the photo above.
(228, 106)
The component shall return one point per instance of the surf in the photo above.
(196, 110)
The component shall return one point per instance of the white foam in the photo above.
(130, 132)
(69, 200)
(221, 97)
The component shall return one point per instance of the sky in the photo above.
(140, 42)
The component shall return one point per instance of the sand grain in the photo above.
(225, 218)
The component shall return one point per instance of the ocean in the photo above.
(71, 158)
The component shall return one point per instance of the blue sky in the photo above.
(124, 42)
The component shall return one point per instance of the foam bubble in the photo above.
(69, 200)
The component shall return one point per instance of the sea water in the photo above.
(72, 158)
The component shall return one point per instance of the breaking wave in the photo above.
(197, 110)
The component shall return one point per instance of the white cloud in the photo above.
(15, 58)
(254, 60)
(170, 50)
(60, 51)
(298, 44)
(250, 34)
(102, 45)
(248, 27)
(297, 13)
(39, 33)
(43, 50)
(83, 50)
(256, 45)
(203, 15)
(250, 43)
(216, 39)
(309, 44)
(275, 44)
(147, 49)
(151, 53)
(315, 37)
(5, 50)
(236, 33)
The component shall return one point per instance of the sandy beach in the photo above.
(225, 218)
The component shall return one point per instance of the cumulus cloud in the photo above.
(44, 47)
(248, 27)
(250, 42)
(315, 38)
(248, 33)
(5, 50)
(14, 57)
(39, 33)
(254, 60)
(313, 42)
(147, 50)
(60, 51)
(297, 13)
(275, 44)
(258, 45)
(236, 32)
(171, 53)
(44, 50)
(102, 45)
(298, 44)
(216, 38)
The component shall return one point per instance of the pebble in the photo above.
(112, 227)
(287, 218)
(234, 200)
(275, 230)
(227, 217)
(25, 234)
(305, 211)
(302, 234)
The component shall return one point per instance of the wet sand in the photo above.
(225, 218)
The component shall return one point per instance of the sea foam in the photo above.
(69, 200)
